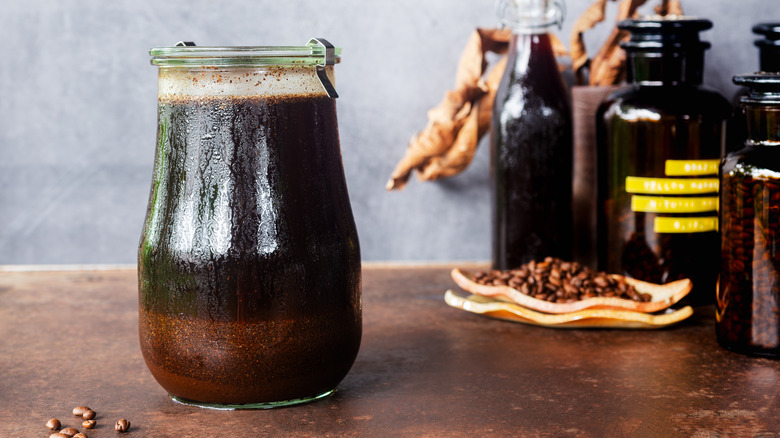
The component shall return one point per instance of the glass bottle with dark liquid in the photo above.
(249, 263)
(748, 298)
(531, 144)
(660, 142)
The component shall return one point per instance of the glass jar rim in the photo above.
(197, 56)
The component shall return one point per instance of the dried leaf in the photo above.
(430, 147)
(557, 46)
(663, 8)
(669, 7)
(675, 8)
(460, 155)
(588, 20)
(608, 66)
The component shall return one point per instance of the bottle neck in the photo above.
(665, 68)
(530, 48)
(763, 124)
(769, 57)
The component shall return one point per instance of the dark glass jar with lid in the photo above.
(748, 298)
(660, 141)
(531, 142)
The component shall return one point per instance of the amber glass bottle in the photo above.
(531, 146)
(660, 142)
(748, 299)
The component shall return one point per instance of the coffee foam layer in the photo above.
(175, 83)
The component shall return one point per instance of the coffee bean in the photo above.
(554, 280)
(122, 425)
(53, 424)
(79, 410)
(79, 435)
(88, 415)
(58, 435)
(69, 431)
(89, 424)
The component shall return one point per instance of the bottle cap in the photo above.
(769, 47)
(660, 34)
(763, 87)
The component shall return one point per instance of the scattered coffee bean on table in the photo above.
(89, 424)
(69, 431)
(88, 415)
(53, 424)
(79, 410)
(558, 281)
(122, 425)
(79, 435)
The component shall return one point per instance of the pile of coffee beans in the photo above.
(89, 422)
(558, 281)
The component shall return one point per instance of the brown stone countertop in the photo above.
(424, 369)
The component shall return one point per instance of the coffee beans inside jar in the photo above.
(559, 281)
(748, 299)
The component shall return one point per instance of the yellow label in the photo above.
(671, 186)
(660, 204)
(685, 224)
(691, 167)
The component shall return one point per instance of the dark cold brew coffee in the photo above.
(249, 264)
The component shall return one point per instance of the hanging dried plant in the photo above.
(447, 144)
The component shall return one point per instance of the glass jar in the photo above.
(748, 298)
(660, 141)
(249, 264)
(531, 142)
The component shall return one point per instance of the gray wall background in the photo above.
(78, 111)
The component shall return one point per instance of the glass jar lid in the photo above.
(656, 34)
(196, 56)
(770, 31)
(763, 88)
(318, 53)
